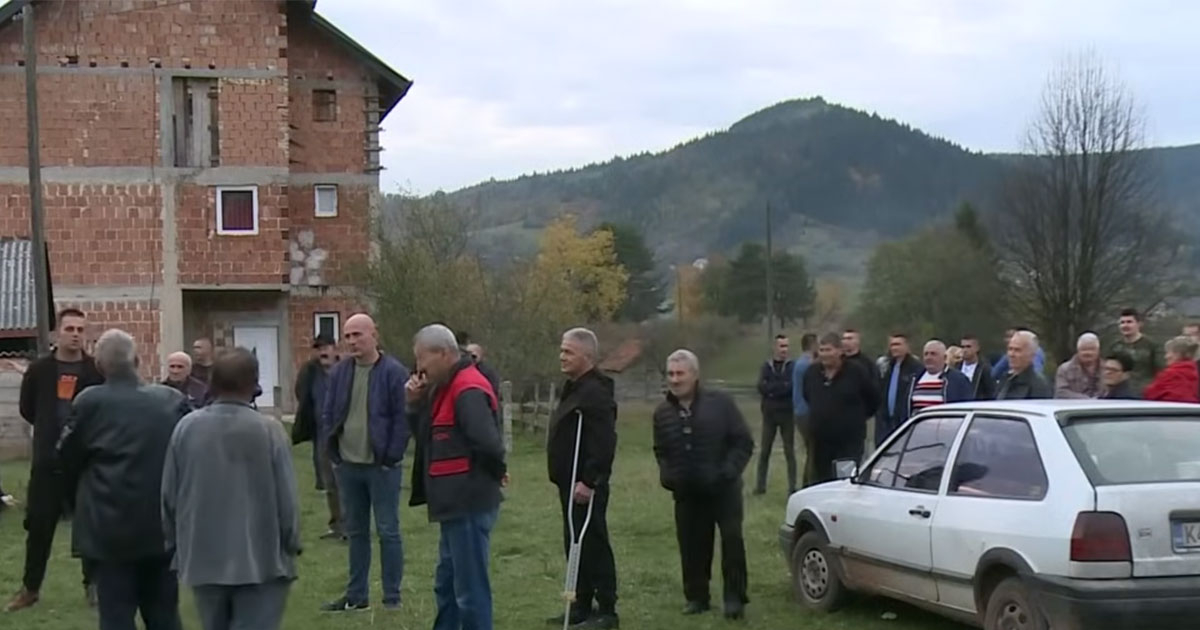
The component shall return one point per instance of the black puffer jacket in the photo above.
(113, 449)
(39, 404)
(701, 449)
(592, 395)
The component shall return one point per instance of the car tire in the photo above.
(815, 578)
(1011, 607)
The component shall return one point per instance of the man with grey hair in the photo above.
(179, 376)
(1079, 377)
(121, 431)
(458, 470)
(939, 384)
(1023, 382)
(702, 446)
(586, 406)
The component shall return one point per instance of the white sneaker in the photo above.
(7, 499)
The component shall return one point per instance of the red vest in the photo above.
(449, 453)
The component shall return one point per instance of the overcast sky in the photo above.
(505, 87)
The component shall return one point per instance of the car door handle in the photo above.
(920, 511)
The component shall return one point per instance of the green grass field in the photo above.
(527, 561)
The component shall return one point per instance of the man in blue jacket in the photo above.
(808, 353)
(364, 428)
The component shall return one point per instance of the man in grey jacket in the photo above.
(229, 504)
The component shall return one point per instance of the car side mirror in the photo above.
(845, 469)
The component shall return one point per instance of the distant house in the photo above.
(18, 340)
(210, 169)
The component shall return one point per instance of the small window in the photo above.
(917, 458)
(237, 210)
(325, 200)
(999, 458)
(326, 324)
(324, 105)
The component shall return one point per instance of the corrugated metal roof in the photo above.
(17, 300)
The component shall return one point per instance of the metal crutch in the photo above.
(576, 541)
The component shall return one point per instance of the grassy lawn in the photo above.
(527, 561)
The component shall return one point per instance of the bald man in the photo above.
(364, 428)
(939, 384)
(179, 377)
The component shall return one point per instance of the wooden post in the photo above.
(506, 414)
(41, 266)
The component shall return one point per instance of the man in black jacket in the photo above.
(902, 368)
(113, 450)
(311, 384)
(1022, 382)
(775, 387)
(977, 369)
(702, 445)
(852, 347)
(47, 390)
(589, 393)
(458, 471)
(841, 396)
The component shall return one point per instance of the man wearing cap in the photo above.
(311, 384)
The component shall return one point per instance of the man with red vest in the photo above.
(457, 473)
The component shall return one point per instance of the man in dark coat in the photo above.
(702, 445)
(589, 394)
(179, 377)
(113, 450)
(1023, 381)
(841, 397)
(775, 387)
(902, 368)
(49, 386)
(852, 347)
(458, 471)
(977, 369)
(311, 385)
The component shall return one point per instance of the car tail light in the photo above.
(1100, 537)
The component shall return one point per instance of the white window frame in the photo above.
(337, 324)
(221, 214)
(317, 201)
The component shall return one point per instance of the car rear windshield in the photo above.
(1137, 449)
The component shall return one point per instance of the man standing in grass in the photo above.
(589, 394)
(702, 445)
(311, 386)
(457, 473)
(808, 351)
(229, 505)
(366, 432)
(775, 387)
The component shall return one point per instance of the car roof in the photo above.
(1053, 408)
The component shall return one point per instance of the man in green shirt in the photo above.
(1147, 355)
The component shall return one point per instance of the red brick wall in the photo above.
(139, 318)
(99, 234)
(206, 257)
(345, 238)
(253, 122)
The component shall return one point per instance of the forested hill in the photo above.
(818, 164)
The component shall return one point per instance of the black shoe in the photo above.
(696, 608)
(577, 616)
(342, 604)
(735, 610)
(601, 621)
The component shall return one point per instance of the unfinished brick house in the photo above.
(210, 168)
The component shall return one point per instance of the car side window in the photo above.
(999, 459)
(917, 458)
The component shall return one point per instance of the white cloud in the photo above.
(508, 87)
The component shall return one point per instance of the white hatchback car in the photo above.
(1016, 516)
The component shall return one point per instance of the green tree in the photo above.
(739, 289)
(645, 289)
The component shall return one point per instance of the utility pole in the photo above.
(41, 273)
(679, 293)
(770, 289)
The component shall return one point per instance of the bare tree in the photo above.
(1080, 231)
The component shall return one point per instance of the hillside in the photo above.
(838, 180)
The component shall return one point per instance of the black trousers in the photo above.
(806, 439)
(597, 567)
(148, 586)
(773, 420)
(47, 498)
(825, 451)
(696, 516)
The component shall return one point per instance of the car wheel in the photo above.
(815, 579)
(1010, 607)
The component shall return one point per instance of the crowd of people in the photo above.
(831, 391)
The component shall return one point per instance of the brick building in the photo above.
(211, 168)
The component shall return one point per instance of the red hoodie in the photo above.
(1179, 382)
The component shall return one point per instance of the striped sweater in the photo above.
(928, 391)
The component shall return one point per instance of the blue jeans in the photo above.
(461, 586)
(367, 488)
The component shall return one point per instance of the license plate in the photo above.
(1186, 536)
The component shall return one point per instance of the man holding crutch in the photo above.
(587, 394)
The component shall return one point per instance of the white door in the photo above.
(263, 341)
